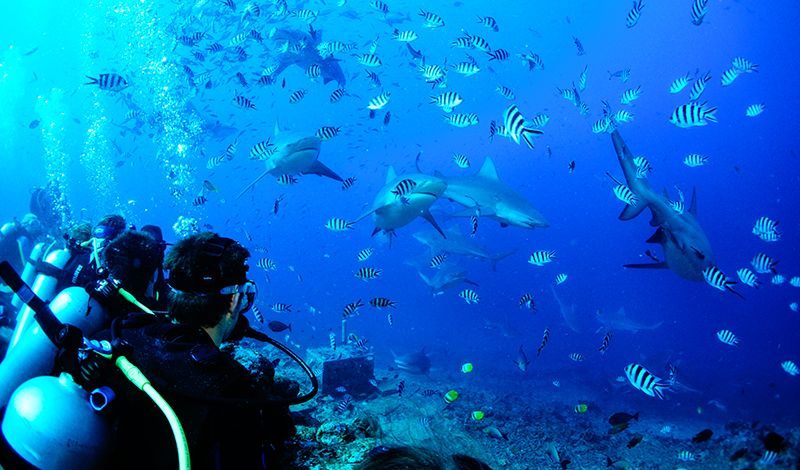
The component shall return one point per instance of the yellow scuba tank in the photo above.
(29, 272)
(44, 287)
(50, 423)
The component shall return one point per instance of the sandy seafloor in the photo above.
(535, 419)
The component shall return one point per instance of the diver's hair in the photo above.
(80, 231)
(114, 221)
(132, 258)
(418, 458)
(188, 260)
(32, 225)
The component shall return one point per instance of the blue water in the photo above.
(82, 144)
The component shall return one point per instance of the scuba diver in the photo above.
(234, 417)
(17, 239)
(44, 204)
(128, 266)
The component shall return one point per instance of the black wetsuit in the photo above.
(219, 403)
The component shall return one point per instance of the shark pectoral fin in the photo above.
(259, 178)
(319, 168)
(693, 204)
(732, 291)
(471, 282)
(630, 212)
(658, 238)
(661, 265)
(426, 214)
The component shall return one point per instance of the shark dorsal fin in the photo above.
(693, 205)
(277, 130)
(488, 170)
(390, 175)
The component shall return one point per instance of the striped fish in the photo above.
(606, 341)
(539, 121)
(383, 302)
(778, 280)
(380, 6)
(479, 43)
(286, 180)
(679, 84)
(389, 318)
(437, 260)
(462, 119)
(266, 264)
(243, 102)
(561, 278)
(622, 116)
(296, 96)
(348, 183)
(257, 314)
(533, 61)
(745, 66)
(405, 36)
(765, 225)
(337, 95)
(769, 457)
(473, 223)
(336, 224)
(699, 11)
(634, 14)
(447, 100)
(307, 15)
(461, 43)
(261, 150)
(545, 339)
(685, 456)
(368, 274)
(643, 380)
(344, 405)
(542, 257)
(327, 132)
(603, 125)
(505, 92)
(461, 160)
(717, 279)
(199, 200)
(379, 101)
(108, 82)
(794, 281)
(577, 357)
(313, 71)
(582, 78)
(499, 55)
(469, 296)
(369, 60)
(695, 160)
(466, 68)
(404, 187)
(693, 114)
(729, 76)
(432, 20)
(631, 95)
(237, 40)
(790, 368)
(754, 110)
(643, 167)
(699, 87)
(351, 308)
(489, 22)
(527, 301)
(727, 337)
(279, 308)
(763, 264)
(365, 254)
(214, 162)
(747, 277)
(623, 192)
(332, 340)
(431, 72)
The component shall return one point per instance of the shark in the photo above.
(456, 243)
(567, 312)
(446, 277)
(330, 69)
(486, 195)
(294, 154)
(414, 363)
(687, 250)
(391, 211)
(619, 321)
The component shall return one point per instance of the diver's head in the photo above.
(109, 227)
(208, 277)
(31, 224)
(80, 232)
(132, 258)
(157, 234)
